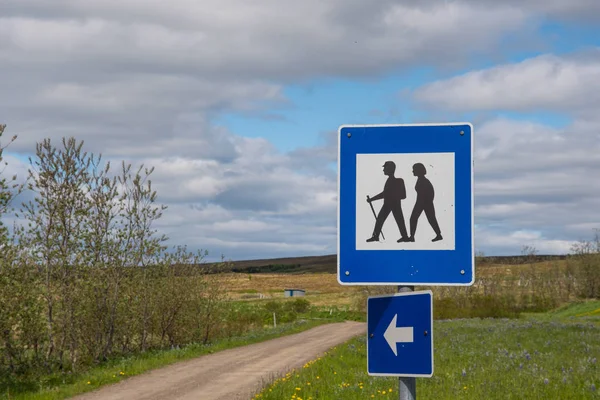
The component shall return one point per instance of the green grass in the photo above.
(57, 386)
(473, 359)
(590, 308)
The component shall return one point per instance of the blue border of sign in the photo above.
(406, 267)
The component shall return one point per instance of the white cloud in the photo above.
(578, 11)
(258, 197)
(128, 71)
(531, 176)
(535, 177)
(235, 38)
(500, 211)
(138, 79)
(511, 242)
(242, 226)
(143, 81)
(546, 82)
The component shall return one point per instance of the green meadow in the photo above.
(553, 355)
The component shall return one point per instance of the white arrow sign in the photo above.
(394, 334)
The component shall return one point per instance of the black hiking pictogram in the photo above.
(424, 202)
(393, 193)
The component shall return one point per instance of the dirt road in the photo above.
(231, 374)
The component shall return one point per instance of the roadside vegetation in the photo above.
(551, 356)
(62, 386)
(507, 291)
(86, 280)
(525, 331)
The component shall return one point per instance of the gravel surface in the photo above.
(230, 374)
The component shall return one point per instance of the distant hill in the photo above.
(290, 265)
(328, 263)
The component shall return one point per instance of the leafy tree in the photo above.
(19, 323)
(9, 189)
(87, 276)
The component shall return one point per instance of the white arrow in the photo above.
(394, 334)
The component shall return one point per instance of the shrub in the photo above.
(273, 306)
(587, 267)
(88, 278)
(299, 306)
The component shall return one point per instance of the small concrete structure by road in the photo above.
(294, 292)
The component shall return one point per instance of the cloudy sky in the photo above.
(237, 105)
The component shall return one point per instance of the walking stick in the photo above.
(375, 215)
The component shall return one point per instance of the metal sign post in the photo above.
(407, 386)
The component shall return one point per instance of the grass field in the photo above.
(323, 289)
(550, 356)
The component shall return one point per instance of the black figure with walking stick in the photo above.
(424, 202)
(393, 193)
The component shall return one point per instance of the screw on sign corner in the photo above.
(462, 133)
(349, 134)
(462, 271)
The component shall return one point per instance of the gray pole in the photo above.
(408, 386)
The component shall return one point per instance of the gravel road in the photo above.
(233, 374)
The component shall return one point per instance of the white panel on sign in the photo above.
(410, 180)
